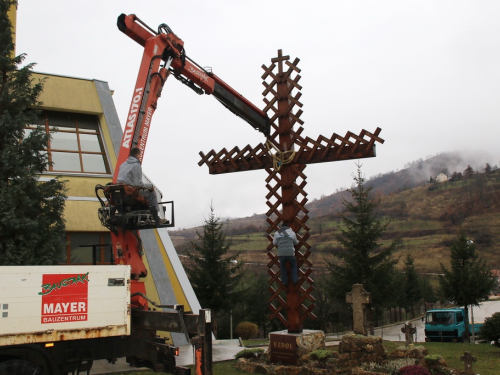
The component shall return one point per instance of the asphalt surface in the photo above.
(224, 350)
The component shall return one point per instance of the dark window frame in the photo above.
(73, 128)
(102, 259)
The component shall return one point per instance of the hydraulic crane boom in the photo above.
(165, 46)
(163, 55)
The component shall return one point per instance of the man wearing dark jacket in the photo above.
(130, 173)
(286, 239)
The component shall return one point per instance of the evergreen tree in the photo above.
(487, 168)
(257, 308)
(412, 291)
(469, 280)
(31, 224)
(428, 293)
(468, 172)
(362, 260)
(327, 307)
(213, 275)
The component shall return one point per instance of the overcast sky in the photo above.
(426, 72)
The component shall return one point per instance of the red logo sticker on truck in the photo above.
(64, 298)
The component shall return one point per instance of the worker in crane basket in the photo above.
(130, 173)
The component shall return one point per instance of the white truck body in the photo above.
(58, 303)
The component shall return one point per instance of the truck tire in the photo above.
(20, 367)
(169, 364)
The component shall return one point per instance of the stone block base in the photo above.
(357, 349)
(287, 348)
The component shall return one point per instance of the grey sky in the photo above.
(426, 72)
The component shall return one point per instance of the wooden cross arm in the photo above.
(322, 150)
(220, 165)
(229, 165)
(346, 153)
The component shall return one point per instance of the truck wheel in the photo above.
(169, 363)
(20, 367)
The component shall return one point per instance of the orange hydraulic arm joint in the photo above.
(191, 74)
(163, 55)
(127, 245)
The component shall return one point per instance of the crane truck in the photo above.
(60, 319)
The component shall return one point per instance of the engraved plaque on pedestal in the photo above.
(283, 348)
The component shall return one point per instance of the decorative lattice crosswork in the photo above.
(287, 198)
(285, 156)
(310, 151)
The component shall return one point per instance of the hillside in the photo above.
(424, 218)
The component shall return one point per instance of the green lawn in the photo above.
(488, 358)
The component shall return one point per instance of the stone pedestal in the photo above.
(287, 348)
(357, 349)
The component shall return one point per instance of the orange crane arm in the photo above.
(164, 55)
(165, 46)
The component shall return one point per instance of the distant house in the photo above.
(441, 178)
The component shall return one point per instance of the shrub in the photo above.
(249, 353)
(413, 370)
(321, 356)
(434, 361)
(246, 329)
(490, 331)
(393, 365)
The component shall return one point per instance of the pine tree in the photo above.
(469, 280)
(412, 291)
(428, 293)
(362, 260)
(257, 308)
(213, 275)
(31, 224)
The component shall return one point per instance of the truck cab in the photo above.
(446, 325)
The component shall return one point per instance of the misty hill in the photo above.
(416, 173)
(425, 217)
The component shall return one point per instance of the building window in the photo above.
(76, 144)
(78, 250)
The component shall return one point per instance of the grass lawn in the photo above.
(488, 358)
(256, 342)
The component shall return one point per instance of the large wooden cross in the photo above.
(284, 156)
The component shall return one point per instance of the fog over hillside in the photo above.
(416, 173)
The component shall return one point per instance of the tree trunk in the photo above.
(214, 324)
(466, 322)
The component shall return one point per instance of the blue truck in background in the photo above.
(447, 325)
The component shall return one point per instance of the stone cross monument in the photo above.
(468, 360)
(409, 330)
(359, 298)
